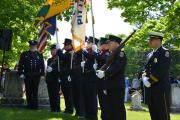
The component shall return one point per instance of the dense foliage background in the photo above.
(153, 15)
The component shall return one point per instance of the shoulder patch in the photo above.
(167, 54)
(121, 54)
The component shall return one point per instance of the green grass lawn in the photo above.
(44, 114)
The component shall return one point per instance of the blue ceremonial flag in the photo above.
(51, 25)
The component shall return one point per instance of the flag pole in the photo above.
(57, 38)
(83, 58)
(93, 22)
(72, 54)
(57, 41)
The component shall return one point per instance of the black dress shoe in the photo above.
(79, 115)
(68, 112)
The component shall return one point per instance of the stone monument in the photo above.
(43, 97)
(136, 101)
(175, 98)
(13, 89)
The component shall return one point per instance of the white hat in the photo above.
(153, 34)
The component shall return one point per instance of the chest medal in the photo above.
(121, 54)
(155, 60)
(167, 54)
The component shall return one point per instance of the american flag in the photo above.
(47, 28)
(42, 38)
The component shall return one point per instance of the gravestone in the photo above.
(136, 101)
(175, 98)
(43, 97)
(13, 89)
(13, 93)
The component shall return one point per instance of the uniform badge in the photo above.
(167, 53)
(105, 92)
(155, 60)
(121, 54)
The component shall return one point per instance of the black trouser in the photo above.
(90, 96)
(54, 96)
(66, 87)
(103, 102)
(77, 93)
(31, 85)
(158, 103)
(115, 102)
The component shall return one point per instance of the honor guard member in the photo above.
(89, 80)
(115, 83)
(101, 58)
(77, 90)
(31, 69)
(52, 80)
(156, 78)
(77, 84)
(66, 68)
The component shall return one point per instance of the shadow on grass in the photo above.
(14, 113)
(25, 114)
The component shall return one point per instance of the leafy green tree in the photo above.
(142, 10)
(153, 15)
(19, 16)
(164, 13)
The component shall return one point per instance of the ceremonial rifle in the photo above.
(116, 52)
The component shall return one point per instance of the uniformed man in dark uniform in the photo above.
(115, 83)
(76, 76)
(66, 69)
(31, 69)
(101, 58)
(89, 80)
(156, 78)
(52, 80)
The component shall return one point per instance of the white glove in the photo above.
(57, 46)
(71, 52)
(144, 75)
(42, 78)
(69, 78)
(95, 66)
(105, 92)
(82, 64)
(100, 74)
(85, 50)
(49, 69)
(94, 48)
(146, 82)
(22, 76)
